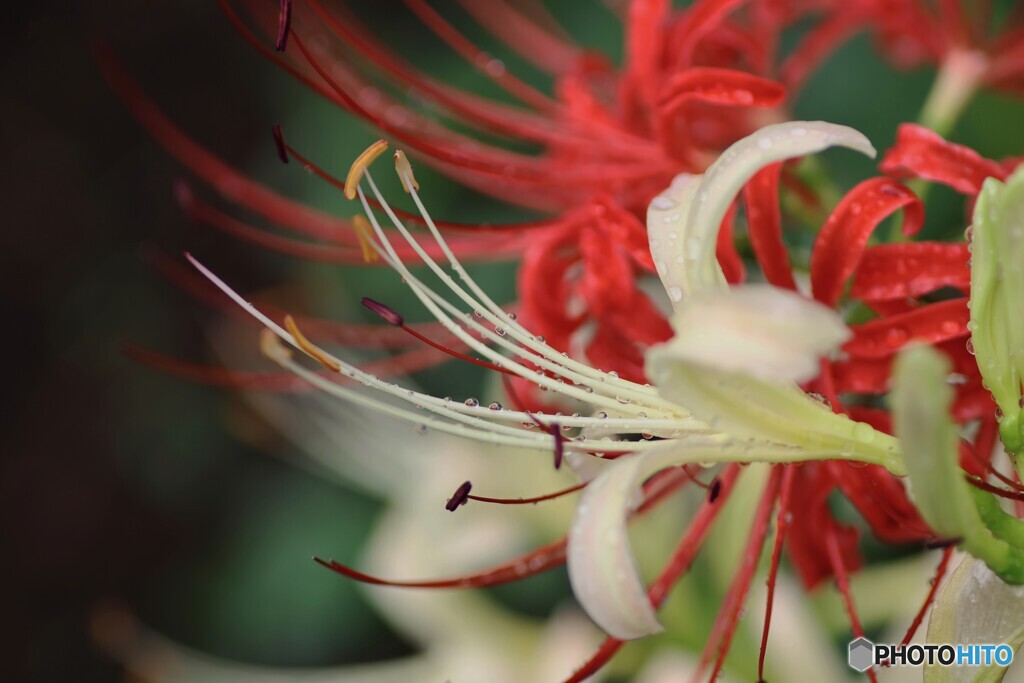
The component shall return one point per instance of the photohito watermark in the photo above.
(864, 654)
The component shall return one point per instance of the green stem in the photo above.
(955, 84)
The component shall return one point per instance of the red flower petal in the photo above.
(764, 226)
(921, 153)
(932, 323)
(898, 271)
(719, 86)
(842, 240)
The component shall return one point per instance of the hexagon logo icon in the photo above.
(862, 654)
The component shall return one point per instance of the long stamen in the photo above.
(284, 24)
(435, 303)
(529, 501)
(940, 572)
(512, 327)
(728, 617)
(535, 562)
(782, 524)
(393, 318)
(1001, 492)
(843, 585)
(600, 393)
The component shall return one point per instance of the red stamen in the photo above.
(993, 471)
(455, 354)
(940, 573)
(1001, 492)
(553, 554)
(782, 524)
(843, 585)
(480, 59)
(282, 149)
(728, 616)
(460, 497)
(533, 563)
(528, 501)
(284, 23)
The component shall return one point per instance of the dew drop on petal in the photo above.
(496, 406)
(864, 432)
(662, 203)
(896, 336)
(472, 402)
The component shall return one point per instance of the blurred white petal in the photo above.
(758, 330)
(975, 606)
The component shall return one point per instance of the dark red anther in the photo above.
(715, 490)
(556, 432)
(459, 498)
(385, 312)
(282, 151)
(284, 24)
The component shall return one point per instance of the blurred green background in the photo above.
(119, 485)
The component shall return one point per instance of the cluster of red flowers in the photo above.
(693, 81)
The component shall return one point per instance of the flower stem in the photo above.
(955, 84)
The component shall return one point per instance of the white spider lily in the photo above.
(724, 386)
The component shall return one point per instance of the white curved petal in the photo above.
(602, 569)
(975, 606)
(666, 222)
(695, 214)
(758, 330)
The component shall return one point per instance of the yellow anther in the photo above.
(359, 166)
(364, 231)
(272, 347)
(314, 351)
(404, 169)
